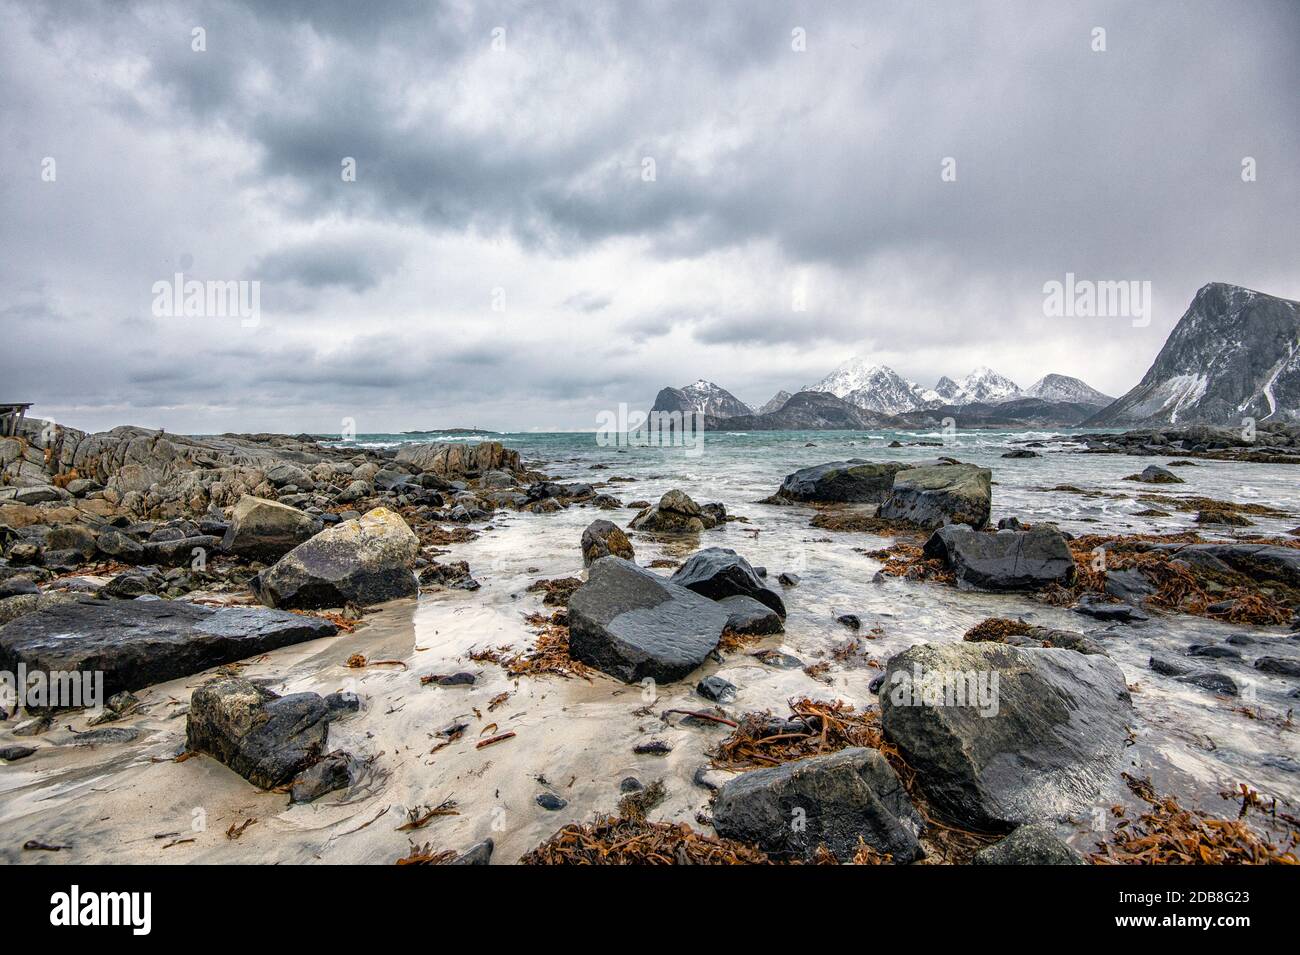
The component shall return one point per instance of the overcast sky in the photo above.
(501, 259)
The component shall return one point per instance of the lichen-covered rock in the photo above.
(267, 530)
(266, 738)
(675, 514)
(364, 561)
(457, 460)
(940, 494)
(603, 538)
(1029, 845)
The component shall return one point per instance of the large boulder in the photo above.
(365, 561)
(603, 538)
(1002, 735)
(267, 530)
(267, 739)
(718, 572)
(851, 481)
(939, 494)
(633, 624)
(832, 801)
(1006, 560)
(458, 460)
(675, 514)
(137, 643)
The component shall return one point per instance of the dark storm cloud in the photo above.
(525, 169)
(357, 264)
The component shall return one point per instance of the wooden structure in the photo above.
(11, 418)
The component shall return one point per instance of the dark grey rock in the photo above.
(1278, 666)
(633, 624)
(18, 585)
(850, 481)
(139, 643)
(266, 738)
(1034, 844)
(718, 572)
(331, 773)
(1213, 652)
(478, 854)
(551, 802)
(1128, 585)
(1167, 667)
(1215, 682)
(745, 615)
(1091, 606)
(791, 809)
(15, 752)
(850, 620)
(717, 689)
(1003, 561)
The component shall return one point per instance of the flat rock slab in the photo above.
(1045, 740)
(137, 643)
(631, 623)
(1007, 560)
(791, 809)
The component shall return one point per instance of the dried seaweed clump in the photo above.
(636, 805)
(906, 560)
(1179, 586)
(426, 855)
(996, 630)
(814, 728)
(549, 654)
(557, 591)
(1168, 834)
(860, 521)
(613, 840)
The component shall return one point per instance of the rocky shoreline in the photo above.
(155, 559)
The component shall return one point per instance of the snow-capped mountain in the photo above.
(985, 384)
(1065, 388)
(1234, 354)
(874, 387)
(775, 403)
(702, 396)
(948, 391)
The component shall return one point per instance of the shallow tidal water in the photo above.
(129, 802)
